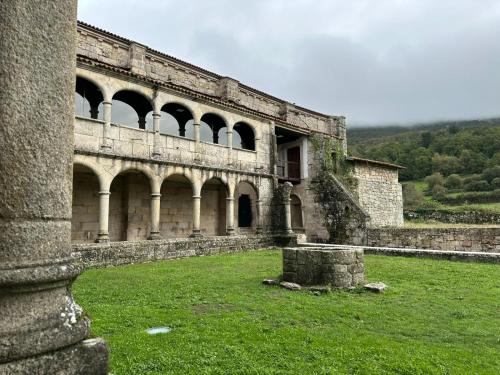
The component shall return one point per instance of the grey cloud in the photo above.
(384, 61)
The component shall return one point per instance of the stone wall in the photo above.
(380, 194)
(459, 239)
(118, 253)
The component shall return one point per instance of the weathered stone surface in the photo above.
(290, 286)
(375, 287)
(340, 268)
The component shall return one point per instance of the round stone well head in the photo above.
(340, 268)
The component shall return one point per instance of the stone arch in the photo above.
(129, 205)
(179, 115)
(296, 212)
(245, 201)
(89, 98)
(130, 107)
(78, 160)
(244, 136)
(138, 167)
(214, 193)
(211, 124)
(176, 202)
(87, 184)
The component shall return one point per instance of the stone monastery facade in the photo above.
(165, 149)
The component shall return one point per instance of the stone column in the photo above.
(42, 329)
(106, 132)
(230, 145)
(197, 127)
(156, 128)
(287, 189)
(94, 111)
(155, 216)
(230, 216)
(103, 235)
(196, 216)
(258, 207)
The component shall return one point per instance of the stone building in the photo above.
(165, 149)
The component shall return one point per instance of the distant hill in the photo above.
(454, 147)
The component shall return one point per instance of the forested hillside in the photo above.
(464, 148)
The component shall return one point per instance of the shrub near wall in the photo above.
(445, 216)
(453, 239)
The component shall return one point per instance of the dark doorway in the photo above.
(293, 159)
(244, 211)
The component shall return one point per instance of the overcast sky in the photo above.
(374, 61)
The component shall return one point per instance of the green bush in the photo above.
(472, 197)
(481, 185)
(453, 181)
(435, 179)
(495, 183)
(472, 178)
(438, 192)
(489, 174)
(412, 197)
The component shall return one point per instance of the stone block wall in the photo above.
(457, 239)
(119, 253)
(85, 209)
(340, 268)
(380, 194)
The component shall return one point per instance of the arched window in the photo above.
(88, 99)
(130, 108)
(245, 138)
(211, 126)
(176, 119)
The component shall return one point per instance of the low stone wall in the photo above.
(128, 252)
(340, 268)
(467, 217)
(452, 239)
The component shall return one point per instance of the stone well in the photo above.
(340, 268)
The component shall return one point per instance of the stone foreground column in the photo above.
(103, 235)
(42, 330)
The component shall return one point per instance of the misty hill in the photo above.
(461, 147)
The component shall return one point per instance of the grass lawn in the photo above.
(438, 224)
(438, 317)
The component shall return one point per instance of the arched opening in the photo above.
(129, 207)
(211, 126)
(243, 136)
(213, 208)
(85, 206)
(176, 212)
(245, 207)
(130, 108)
(296, 211)
(88, 99)
(175, 120)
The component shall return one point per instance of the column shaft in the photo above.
(288, 215)
(259, 215)
(156, 128)
(106, 132)
(155, 216)
(230, 216)
(103, 235)
(196, 216)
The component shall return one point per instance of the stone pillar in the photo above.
(42, 329)
(155, 217)
(197, 127)
(94, 111)
(106, 132)
(103, 235)
(287, 189)
(196, 216)
(230, 145)
(156, 129)
(258, 207)
(230, 216)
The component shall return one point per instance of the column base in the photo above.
(86, 357)
(154, 236)
(230, 232)
(102, 238)
(196, 234)
(259, 230)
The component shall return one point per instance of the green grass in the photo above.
(438, 317)
(438, 224)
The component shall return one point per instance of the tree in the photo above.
(438, 192)
(435, 179)
(477, 186)
(472, 162)
(412, 197)
(445, 164)
(490, 173)
(453, 181)
(495, 184)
